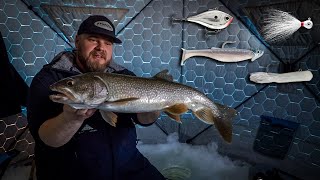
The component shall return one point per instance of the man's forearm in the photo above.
(58, 131)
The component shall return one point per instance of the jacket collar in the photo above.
(66, 61)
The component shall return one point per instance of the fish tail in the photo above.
(222, 120)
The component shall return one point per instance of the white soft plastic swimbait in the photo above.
(223, 54)
(264, 77)
(212, 19)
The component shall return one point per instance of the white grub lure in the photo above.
(212, 19)
(223, 54)
(264, 77)
(279, 25)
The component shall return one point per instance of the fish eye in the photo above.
(70, 83)
(226, 18)
(216, 17)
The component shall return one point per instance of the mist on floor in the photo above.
(193, 162)
(176, 161)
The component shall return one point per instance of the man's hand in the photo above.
(71, 114)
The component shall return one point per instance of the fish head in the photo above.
(227, 19)
(88, 89)
(223, 18)
(257, 54)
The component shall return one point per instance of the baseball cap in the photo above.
(97, 24)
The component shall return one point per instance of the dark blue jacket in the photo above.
(97, 151)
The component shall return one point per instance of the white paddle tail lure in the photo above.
(223, 54)
(279, 25)
(264, 77)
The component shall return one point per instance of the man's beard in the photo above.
(91, 66)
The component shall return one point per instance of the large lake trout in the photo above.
(129, 94)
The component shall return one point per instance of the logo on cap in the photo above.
(104, 25)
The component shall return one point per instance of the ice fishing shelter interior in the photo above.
(277, 127)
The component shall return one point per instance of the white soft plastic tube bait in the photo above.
(264, 77)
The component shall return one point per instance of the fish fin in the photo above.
(123, 101)
(109, 117)
(175, 117)
(177, 109)
(222, 121)
(164, 75)
(205, 114)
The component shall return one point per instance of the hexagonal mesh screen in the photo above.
(152, 42)
(14, 135)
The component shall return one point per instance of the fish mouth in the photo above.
(62, 95)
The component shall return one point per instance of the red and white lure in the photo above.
(279, 25)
